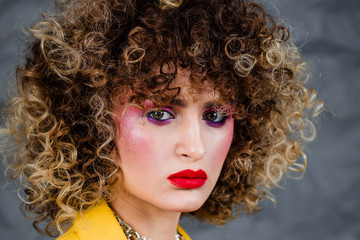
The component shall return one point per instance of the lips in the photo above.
(188, 178)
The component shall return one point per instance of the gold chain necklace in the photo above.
(131, 234)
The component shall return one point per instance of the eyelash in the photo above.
(214, 123)
(150, 116)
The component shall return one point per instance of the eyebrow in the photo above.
(209, 105)
(178, 102)
(182, 103)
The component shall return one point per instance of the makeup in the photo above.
(214, 118)
(163, 146)
(188, 178)
(161, 116)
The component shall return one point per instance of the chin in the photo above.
(184, 209)
(187, 205)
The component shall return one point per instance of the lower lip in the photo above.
(187, 182)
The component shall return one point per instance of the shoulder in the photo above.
(96, 223)
(69, 235)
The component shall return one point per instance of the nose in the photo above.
(190, 144)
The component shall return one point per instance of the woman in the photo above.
(129, 113)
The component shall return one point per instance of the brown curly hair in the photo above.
(84, 58)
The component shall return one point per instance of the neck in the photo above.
(144, 218)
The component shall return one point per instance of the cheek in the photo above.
(227, 137)
(221, 144)
(134, 141)
(130, 139)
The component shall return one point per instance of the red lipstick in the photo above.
(188, 178)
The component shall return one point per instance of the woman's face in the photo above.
(171, 156)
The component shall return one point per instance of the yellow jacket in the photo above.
(99, 223)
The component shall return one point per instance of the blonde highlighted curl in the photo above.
(89, 55)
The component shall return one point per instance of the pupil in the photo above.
(212, 116)
(158, 115)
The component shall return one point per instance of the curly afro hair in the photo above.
(89, 53)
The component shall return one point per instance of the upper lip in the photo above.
(188, 173)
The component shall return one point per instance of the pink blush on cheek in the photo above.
(135, 143)
(230, 133)
(223, 148)
(125, 115)
(128, 125)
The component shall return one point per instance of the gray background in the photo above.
(325, 203)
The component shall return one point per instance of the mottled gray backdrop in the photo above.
(325, 203)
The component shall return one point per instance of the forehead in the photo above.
(190, 90)
(173, 85)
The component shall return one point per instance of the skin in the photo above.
(150, 150)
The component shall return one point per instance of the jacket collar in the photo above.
(99, 222)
